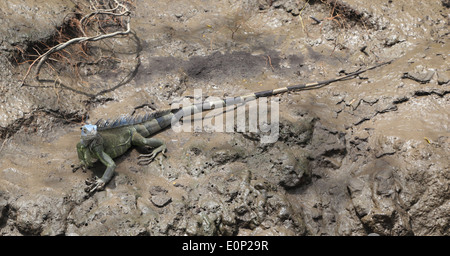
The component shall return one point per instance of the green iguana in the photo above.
(107, 140)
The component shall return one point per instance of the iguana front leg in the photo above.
(81, 151)
(99, 184)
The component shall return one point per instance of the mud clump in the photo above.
(159, 197)
(235, 202)
(381, 210)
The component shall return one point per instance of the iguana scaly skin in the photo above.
(106, 140)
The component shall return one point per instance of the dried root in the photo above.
(118, 12)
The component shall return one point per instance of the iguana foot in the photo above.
(145, 159)
(94, 185)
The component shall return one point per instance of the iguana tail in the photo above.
(208, 105)
(312, 85)
(154, 122)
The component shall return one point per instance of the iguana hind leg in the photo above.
(158, 145)
(145, 159)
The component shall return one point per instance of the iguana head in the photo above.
(88, 133)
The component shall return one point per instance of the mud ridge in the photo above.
(28, 121)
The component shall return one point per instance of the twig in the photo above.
(316, 20)
(104, 11)
(301, 19)
(270, 62)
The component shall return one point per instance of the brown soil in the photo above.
(367, 155)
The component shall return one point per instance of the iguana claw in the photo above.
(76, 167)
(148, 158)
(94, 185)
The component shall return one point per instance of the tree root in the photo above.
(120, 9)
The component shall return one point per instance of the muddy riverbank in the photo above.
(367, 155)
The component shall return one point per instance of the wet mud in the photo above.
(356, 157)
